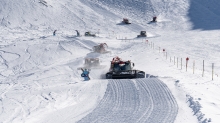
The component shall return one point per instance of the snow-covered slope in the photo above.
(204, 14)
(87, 14)
(79, 13)
(39, 80)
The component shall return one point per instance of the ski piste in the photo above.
(145, 100)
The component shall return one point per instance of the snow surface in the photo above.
(40, 82)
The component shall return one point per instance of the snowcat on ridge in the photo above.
(154, 19)
(101, 48)
(120, 69)
(126, 21)
(142, 34)
(90, 34)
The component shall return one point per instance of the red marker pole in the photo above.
(174, 60)
(177, 62)
(164, 52)
(181, 64)
(187, 59)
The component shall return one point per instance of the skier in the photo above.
(85, 74)
(54, 32)
(77, 33)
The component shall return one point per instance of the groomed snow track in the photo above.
(135, 101)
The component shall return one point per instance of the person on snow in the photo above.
(85, 74)
(77, 32)
(54, 32)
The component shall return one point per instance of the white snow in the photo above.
(39, 80)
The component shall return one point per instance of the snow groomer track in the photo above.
(135, 101)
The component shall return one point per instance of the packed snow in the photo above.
(40, 79)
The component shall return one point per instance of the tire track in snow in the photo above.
(5, 62)
(165, 107)
(144, 101)
(119, 101)
(60, 45)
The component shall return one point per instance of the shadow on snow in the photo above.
(204, 14)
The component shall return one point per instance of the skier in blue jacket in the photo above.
(85, 74)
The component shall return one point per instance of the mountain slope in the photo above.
(38, 71)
